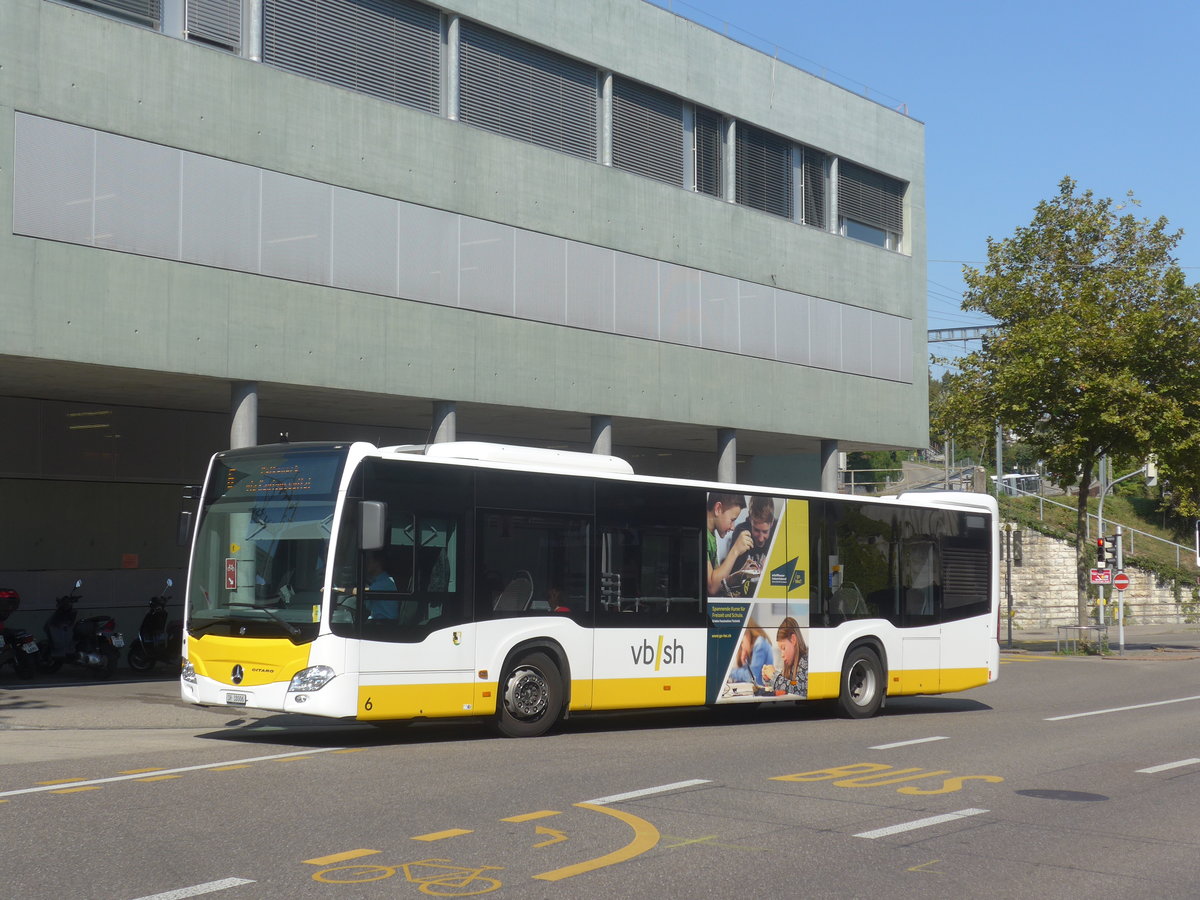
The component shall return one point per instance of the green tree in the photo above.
(1094, 350)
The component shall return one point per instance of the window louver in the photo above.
(966, 576)
(389, 49)
(814, 168)
(764, 171)
(216, 22)
(144, 12)
(525, 92)
(647, 131)
(870, 198)
(709, 141)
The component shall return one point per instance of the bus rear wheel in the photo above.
(531, 697)
(862, 685)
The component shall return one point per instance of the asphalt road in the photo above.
(1070, 777)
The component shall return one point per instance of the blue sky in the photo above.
(1014, 95)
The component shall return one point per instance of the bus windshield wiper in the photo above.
(288, 626)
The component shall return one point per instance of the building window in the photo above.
(526, 92)
(215, 22)
(814, 168)
(141, 12)
(647, 131)
(707, 143)
(389, 49)
(870, 206)
(764, 171)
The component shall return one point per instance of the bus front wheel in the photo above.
(862, 684)
(531, 697)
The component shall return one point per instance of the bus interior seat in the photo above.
(516, 594)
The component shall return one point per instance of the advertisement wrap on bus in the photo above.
(526, 585)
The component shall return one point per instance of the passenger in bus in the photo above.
(792, 676)
(753, 652)
(723, 511)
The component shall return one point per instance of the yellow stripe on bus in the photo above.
(633, 693)
(263, 660)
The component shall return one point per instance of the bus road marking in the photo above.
(196, 890)
(441, 835)
(1173, 765)
(1101, 712)
(44, 786)
(645, 792)
(919, 823)
(907, 743)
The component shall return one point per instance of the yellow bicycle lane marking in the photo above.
(645, 838)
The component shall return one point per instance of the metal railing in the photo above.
(1093, 521)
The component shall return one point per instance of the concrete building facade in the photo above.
(588, 225)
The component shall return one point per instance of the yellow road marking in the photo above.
(442, 835)
(90, 787)
(556, 837)
(529, 817)
(159, 778)
(287, 759)
(711, 840)
(140, 771)
(645, 838)
(924, 867)
(351, 750)
(341, 857)
(229, 768)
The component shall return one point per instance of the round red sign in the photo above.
(1121, 581)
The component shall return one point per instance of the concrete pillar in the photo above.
(243, 414)
(727, 454)
(445, 421)
(829, 466)
(602, 435)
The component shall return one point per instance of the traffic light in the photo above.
(1105, 552)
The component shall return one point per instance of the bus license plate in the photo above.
(235, 699)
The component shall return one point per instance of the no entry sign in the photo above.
(1120, 581)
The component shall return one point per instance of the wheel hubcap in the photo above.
(861, 682)
(527, 695)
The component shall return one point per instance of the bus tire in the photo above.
(862, 686)
(531, 697)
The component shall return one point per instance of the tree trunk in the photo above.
(1083, 560)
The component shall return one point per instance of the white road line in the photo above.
(1165, 766)
(75, 784)
(907, 743)
(197, 889)
(645, 792)
(920, 823)
(1100, 712)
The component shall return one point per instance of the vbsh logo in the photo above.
(647, 654)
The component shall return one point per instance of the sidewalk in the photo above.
(1172, 642)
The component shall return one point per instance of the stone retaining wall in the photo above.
(1044, 592)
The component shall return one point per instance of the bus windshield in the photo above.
(263, 543)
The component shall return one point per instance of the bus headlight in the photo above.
(311, 679)
(188, 672)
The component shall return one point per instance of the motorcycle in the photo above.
(93, 643)
(157, 640)
(18, 647)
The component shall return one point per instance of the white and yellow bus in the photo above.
(525, 585)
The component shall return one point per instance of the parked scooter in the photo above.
(18, 647)
(93, 643)
(157, 640)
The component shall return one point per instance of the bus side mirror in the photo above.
(183, 528)
(372, 514)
